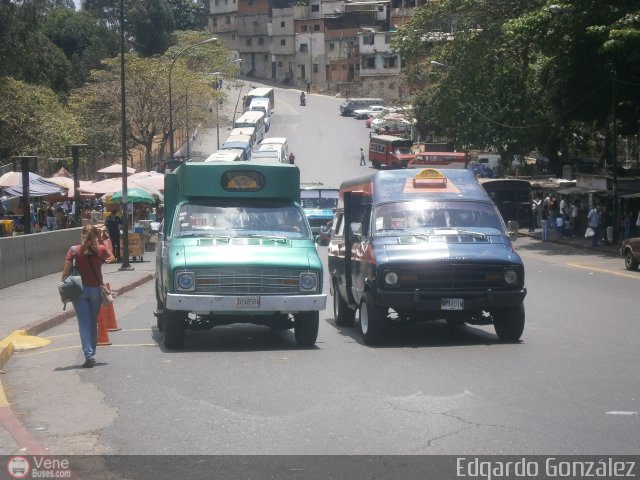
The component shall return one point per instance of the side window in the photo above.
(338, 227)
(366, 220)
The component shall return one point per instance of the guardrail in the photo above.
(25, 257)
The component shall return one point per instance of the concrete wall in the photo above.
(26, 257)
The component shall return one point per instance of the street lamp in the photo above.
(175, 57)
(217, 102)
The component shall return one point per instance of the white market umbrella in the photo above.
(115, 169)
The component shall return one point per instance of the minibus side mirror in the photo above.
(356, 231)
(513, 227)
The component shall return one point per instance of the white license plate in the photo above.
(452, 304)
(247, 302)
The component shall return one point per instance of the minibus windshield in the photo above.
(241, 219)
(436, 217)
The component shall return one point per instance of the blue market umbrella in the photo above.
(134, 195)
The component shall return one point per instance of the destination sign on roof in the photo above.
(242, 181)
(429, 180)
(430, 177)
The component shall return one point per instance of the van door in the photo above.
(354, 210)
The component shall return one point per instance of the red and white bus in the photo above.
(439, 159)
(390, 151)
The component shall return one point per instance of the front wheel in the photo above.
(344, 316)
(373, 320)
(305, 328)
(159, 308)
(509, 323)
(630, 262)
(174, 329)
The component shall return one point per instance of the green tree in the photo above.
(519, 77)
(33, 121)
(190, 14)
(84, 41)
(147, 104)
(152, 26)
(26, 53)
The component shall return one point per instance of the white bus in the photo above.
(253, 119)
(266, 92)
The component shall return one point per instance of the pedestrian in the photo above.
(553, 210)
(51, 217)
(560, 225)
(89, 257)
(545, 218)
(627, 222)
(533, 217)
(362, 160)
(113, 222)
(593, 220)
(292, 158)
(106, 241)
(575, 219)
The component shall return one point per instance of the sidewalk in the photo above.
(576, 242)
(35, 305)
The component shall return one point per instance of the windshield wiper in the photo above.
(473, 234)
(200, 234)
(274, 237)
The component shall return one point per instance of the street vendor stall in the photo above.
(137, 238)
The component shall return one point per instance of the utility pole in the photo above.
(75, 157)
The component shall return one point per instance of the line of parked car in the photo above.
(379, 117)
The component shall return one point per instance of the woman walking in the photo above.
(89, 257)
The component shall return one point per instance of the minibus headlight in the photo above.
(308, 281)
(510, 277)
(391, 278)
(185, 281)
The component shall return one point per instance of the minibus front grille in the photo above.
(247, 281)
(449, 276)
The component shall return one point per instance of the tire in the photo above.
(373, 320)
(159, 307)
(344, 316)
(509, 323)
(305, 327)
(630, 263)
(174, 329)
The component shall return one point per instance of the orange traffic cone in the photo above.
(110, 316)
(103, 333)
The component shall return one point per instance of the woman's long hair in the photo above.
(89, 240)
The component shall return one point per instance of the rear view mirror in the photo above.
(512, 228)
(356, 231)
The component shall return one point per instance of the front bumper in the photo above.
(431, 300)
(205, 304)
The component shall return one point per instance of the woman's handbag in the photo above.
(107, 296)
(105, 291)
(71, 287)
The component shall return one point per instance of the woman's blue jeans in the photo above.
(87, 308)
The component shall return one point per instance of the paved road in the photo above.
(569, 387)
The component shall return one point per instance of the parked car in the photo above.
(630, 250)
(399, 127)
(363, 113)
(482, 170)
